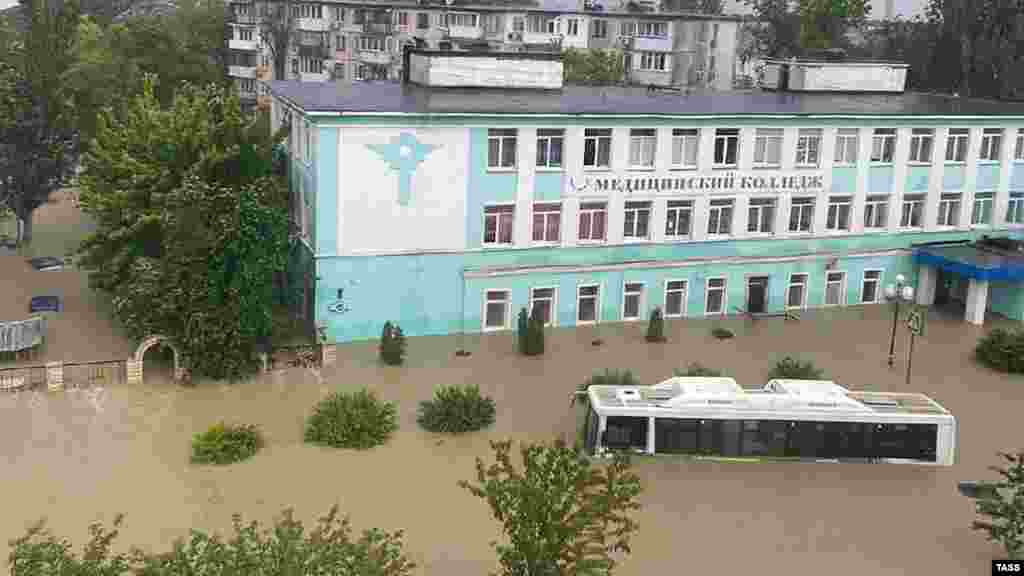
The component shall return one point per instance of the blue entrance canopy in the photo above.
(972, 261)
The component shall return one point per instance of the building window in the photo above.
(956, 145)
(835, 288)
(403, 18)
(597, 147)
(587, 304)
(653, 61)
(720, 217)
(808, 148)
(246, 85)
(869, 286)
(1015, 208)
(311, 65)
(652, 29)
(542, 301)
(876, 211)
(422, 21)
(846, 146)
(913, 208)
(675, 298)
(372, 44)
(727, 147)
(501, 148)
(838, 217)
(518, 24)
(538, 24)
(921, 146)
(245, 34)
(549, 148)
(678, 217)
(592, 221)
(685, 143)
(637, 220)
(1018, 153)
(572, 27)
(492, 23)
(768, 147)
(761, 216)
(339, 71)
(627, 28)
(547, 219)
(982, 212)
(496, 314)
(642, 145)
(632, 300)
(462, 20)
(340, 43)
(796, 294)
(599, 28)
(883, 144)
(801, 214)
(949, 210)
(991, 145)
(498, 222)
(307, 11)
(714, 302)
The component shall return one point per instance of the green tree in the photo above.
(593, 66)
(277, 32)
(535, 333)
(392, 344)
(560, 513)
(1004, 507)
(786, 28)
(286, 548)
(656, 327)
(824, 23)
(523, 332)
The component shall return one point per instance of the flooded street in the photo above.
(80, 456)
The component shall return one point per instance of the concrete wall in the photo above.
(477, 71)
(847, 77)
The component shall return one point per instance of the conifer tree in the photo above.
(656, 327)
(522, 332)
(535, 333)
(1005, 507)
(385, 342)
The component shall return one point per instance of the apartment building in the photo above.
(351, 42)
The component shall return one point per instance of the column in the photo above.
(971, 173)
(927, 277)
(935, 186)
(55, 376)
(650, 435)
(1001, 198)
(827, 150)
(572, 161)
(977, 299)
(899, 177)
(863, 162)
(527, 167)
(616, 199)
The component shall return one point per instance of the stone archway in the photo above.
(135, 363)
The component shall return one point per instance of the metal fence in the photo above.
(22, 378)
(92, 374)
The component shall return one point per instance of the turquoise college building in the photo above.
(449, 209)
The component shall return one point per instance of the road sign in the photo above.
(915, 322)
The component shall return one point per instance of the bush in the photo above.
(456, 409)
(530, 333)
(522, 331)
(610, 378)
(287, 547)
(392, 344)
(721, 333)
(656, 327)
(226, 443)
(1002, 350)
(696, 369)
(791, 369)
(357, 420)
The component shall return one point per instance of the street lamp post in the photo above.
(895, 293)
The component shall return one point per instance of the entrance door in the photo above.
(942, 281)
(757, 294)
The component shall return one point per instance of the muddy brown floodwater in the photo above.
(81, 456)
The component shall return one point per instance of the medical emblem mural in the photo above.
(403, 155)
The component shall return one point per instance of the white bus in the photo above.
(803, 419)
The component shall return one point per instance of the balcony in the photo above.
(317, 51)
(652, 44)
(381, 28)
(242, 71)
(465, 32)
(374, 57)
(313, 24)
(539, 37)
(245, 45)
(249, 19)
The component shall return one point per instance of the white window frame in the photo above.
(599, 28)
(949, 210)
(462, 19)
(554, 303)
(808, 148)
(922, 146)
(726, 136)
(652, 29)
(643, 142)
(597, 303)
(590, 213)
(847, 140)
(912, 200)
(842, 287)
(725, 295)
(803, 294)
(673, 209)
(759, 205)
(984, 201)
(503, 136)
(991, 145)
(546, 141)
(804, 206)
(718, 208)
(598, 136)
(546, 213)
(508, 310)
(307, 146)
(957, 142)
(637, 207)
(876, 203)
(246, 33)
(685, 140)
(685, 296)
(641, 296)
(768, 147)
(1015, 207)
(883, 146)
(497, 226)
(878, 285)
(653, 61)
(835, 206)
(572, 27)
(1018, 152)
